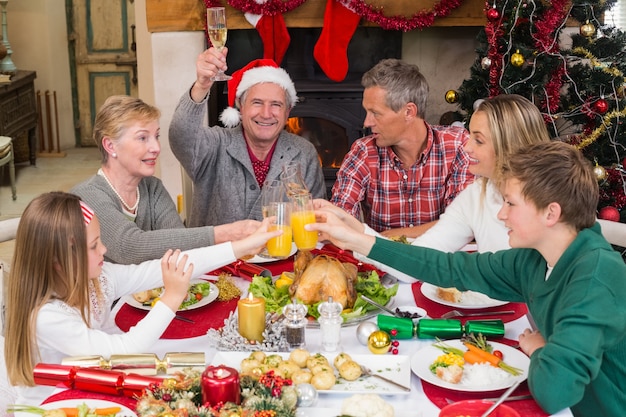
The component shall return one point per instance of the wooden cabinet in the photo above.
(18, 110)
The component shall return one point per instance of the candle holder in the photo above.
(6, 65)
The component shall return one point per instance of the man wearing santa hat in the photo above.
(228, 165)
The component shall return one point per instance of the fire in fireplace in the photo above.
(329, 114)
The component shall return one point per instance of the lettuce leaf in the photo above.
(275, 298)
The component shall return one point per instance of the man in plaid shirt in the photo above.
(400, 178)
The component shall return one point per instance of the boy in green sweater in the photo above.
(572, 280)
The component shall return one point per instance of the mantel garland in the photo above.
(419, 20)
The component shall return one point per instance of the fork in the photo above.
(456, 313)
(367, 371)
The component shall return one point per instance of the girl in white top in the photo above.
(498, 128)
(60, 289)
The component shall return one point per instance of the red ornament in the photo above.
(394, 332)
(394, 351)
(609, 213)
(493, 14)
(601, 106)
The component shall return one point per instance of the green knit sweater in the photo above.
(580, 311)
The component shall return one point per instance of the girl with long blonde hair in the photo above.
(60, 290)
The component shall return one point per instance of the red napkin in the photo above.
(70, 394)
(211, 316)
(436, 310)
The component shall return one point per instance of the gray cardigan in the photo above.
(156, 228)
(217, 161)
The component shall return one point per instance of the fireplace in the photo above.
(329, 114)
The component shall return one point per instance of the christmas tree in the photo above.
(561, 55)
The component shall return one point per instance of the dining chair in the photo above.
(7, 158)
(614, 232)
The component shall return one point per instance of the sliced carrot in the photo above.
(487, 357)
(73, 412)
(70, 412)
(472, 357)
(107, 411)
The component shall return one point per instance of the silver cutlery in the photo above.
(456, 313)
(503, 397)
(368, 372)
(382, 307)
(511, 398)
(185, 319)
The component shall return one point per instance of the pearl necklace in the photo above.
(126, 206)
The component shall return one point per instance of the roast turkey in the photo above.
(319, 277)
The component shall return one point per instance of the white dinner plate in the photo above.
(259, 259)
(469, 299)
(394, 367)
(124, 412)
(329, 412)
(214, 292)
(422, 359)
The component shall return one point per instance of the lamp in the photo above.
(6, 65)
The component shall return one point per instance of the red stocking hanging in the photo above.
(274, 35)
(331, 49)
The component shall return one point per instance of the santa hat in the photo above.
(256, 72)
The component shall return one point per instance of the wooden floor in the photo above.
(49, 174)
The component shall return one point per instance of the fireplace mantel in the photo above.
(188, 15)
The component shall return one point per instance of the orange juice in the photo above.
(279, 247)
(305, 240)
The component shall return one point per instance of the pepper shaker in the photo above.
(330, 321)
(295, 323)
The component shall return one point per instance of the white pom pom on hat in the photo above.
(256, 72)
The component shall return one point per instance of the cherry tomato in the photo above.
(497, 353)
(198, 296)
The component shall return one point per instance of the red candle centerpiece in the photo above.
(220, 384)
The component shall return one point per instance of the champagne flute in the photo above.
(216, 26)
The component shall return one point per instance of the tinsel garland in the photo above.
(419, 20)
(595, 62)
(546, 40)
(597, 132)
(494, 32)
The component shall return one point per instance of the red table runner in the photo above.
(436, 310)
(211, 316)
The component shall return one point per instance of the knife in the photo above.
(511, 398)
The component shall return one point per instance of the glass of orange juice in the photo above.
(301, 214)
(280, 247)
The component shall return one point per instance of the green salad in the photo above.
(368, 284)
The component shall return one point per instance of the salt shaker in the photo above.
(330, 324)
(295, 322)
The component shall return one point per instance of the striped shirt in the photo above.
(373, 180)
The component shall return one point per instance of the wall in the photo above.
(37, 32)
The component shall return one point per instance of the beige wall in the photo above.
(166, 65)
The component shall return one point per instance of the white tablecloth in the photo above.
(416, 404)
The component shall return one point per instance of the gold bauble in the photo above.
(599, 172)
(452, 96)
(517, 59)
(379, 342)
(588, 29)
